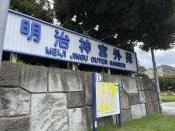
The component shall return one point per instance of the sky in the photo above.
(162, 57)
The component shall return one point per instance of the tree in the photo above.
(157, 24)
(157, 28)
(141, 69)
(112, 16)
(149, 21)
(37, 8)
(166, 82)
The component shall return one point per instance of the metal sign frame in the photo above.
(96, 77)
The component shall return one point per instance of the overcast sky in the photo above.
(162, 57)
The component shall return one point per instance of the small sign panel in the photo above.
(107, 99)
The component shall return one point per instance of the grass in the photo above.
(156, 122)
(165, 98)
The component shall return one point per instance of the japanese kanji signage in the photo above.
(28, 35)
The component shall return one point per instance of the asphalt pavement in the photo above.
(168, 108)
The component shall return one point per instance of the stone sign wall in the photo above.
(37, 98)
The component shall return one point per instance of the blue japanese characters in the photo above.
(32, 30)
(103, 51)
(117, 55)
(62, 39)
(85, 45)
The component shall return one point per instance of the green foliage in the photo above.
(157, 24)
(112, 16)
(37, 8)
(141, 71)
(165, 82)
(149, 21)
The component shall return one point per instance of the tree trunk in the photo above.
(4, 5)
(156, 79)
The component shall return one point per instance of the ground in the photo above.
(156, 122)
(168, 108)
(165, 98)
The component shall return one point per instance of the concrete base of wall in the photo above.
(36, 98)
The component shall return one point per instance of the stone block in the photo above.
(124, 100)
(78, 119)
(147, 84)
(10, 74)
(14, 123)
(65, 80)
(152, 108)
(49, 112)
(125, 83)
(88, 87)
(142, 97)
(126, 115)
(111, 78)
(89, 117)
(129, 84)
(34, 78)
(115, 79)
(106, 77)
(108, 120)
(134, 98)
(54, 79)
(74, 80)
(138, 111)
(76, 99)
(154, 95)
(147, 96)
(13, 102)
(139, 84)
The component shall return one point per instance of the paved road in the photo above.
(168, 108)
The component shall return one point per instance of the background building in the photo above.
(162, 70)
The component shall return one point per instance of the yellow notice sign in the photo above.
(107, 99)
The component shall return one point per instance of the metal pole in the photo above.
(120, 115)
(156, 78)
(4, 5)
(94, 116)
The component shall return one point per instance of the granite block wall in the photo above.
(37, 98)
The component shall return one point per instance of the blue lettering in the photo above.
(79, 57)
(25, 27)
(34, 32)
(62, 39)
(99, 60)
(117, 64)
(129, 58)
(117, 55)
(102, 51)
(85, 45)
(55, 52)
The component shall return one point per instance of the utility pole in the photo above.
(4, 6)
(156, 77)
